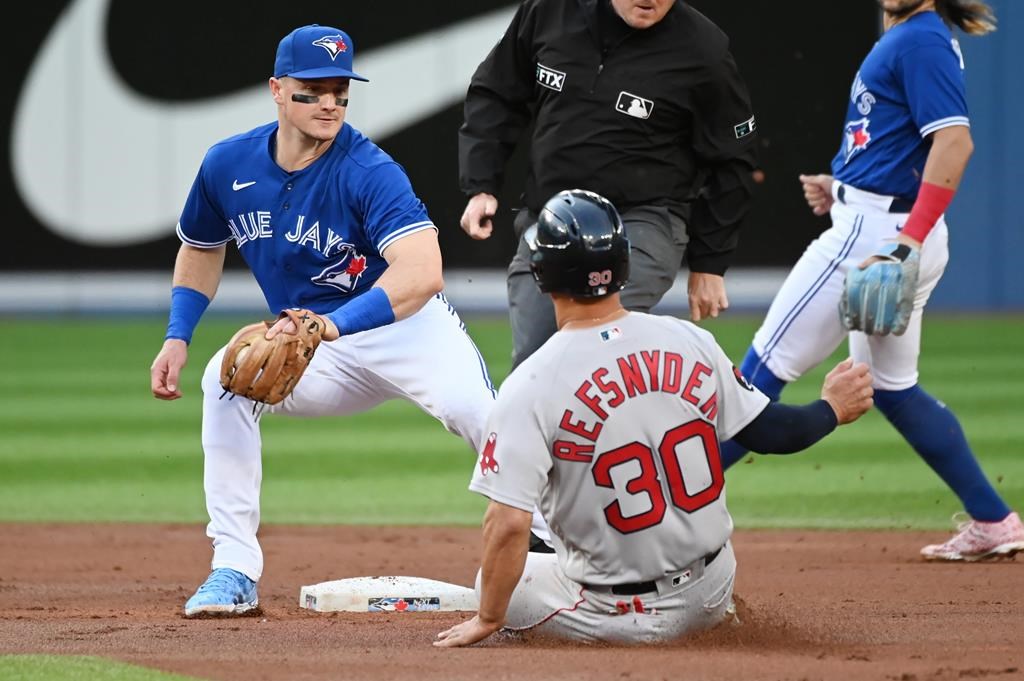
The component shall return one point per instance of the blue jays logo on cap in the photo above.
(315, 51)
(334, 44)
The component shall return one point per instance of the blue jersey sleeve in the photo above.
(201, 223)
(390, 208)
(933, 81)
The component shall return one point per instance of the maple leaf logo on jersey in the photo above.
(488, 464)
(857, 137)
(344, 274)
(334, 44)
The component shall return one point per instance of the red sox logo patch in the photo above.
(488, 464)
(334, 44)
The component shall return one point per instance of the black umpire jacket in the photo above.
(654, 116)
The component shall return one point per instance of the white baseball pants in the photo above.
(427, 358)
(803, 327)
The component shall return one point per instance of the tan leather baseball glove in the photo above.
(268, 370)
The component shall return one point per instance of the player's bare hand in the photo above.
(818, 192)
(848, 390)
(476, 219)
(166, 369)
(285, 325)
(707, 296)
(467, 633)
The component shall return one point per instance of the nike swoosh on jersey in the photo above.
(236, 185)
(115, 168)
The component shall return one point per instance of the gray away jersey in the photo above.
(613, 433)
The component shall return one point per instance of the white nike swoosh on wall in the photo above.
(100, 164)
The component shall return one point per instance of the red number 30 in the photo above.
(648, 483)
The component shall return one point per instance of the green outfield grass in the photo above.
(69, 668)
(83, 440)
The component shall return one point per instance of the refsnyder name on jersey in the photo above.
(633, 374)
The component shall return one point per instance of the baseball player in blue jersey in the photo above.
(905, 145)
(327, 221)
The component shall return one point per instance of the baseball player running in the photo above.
(612, 427)
(329, 222)
(906, 142)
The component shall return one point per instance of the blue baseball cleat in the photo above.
(225, 592)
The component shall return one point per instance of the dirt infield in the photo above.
(814, 605)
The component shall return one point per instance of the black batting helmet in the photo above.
(579, 246)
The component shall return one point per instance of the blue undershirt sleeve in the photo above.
(784, 428)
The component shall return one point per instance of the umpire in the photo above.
(637, 100)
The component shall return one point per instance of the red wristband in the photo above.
(932, 202)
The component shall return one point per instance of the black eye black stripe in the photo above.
(313, 99)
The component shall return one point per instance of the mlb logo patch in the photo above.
(682, 578)
(745, 128)
(550, 78)
(610, 334)
(634, 105)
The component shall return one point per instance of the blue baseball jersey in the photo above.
(314, 238)
(910, 85)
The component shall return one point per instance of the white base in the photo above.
(387, 594)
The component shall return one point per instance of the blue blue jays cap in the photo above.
(315, 51)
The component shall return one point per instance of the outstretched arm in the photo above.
(506, 540)
(784, 429)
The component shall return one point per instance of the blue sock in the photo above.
(755, 371)
(935, 434)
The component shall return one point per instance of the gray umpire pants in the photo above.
(657, 238)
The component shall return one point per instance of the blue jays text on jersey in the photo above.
(314, 237)
(910, 85)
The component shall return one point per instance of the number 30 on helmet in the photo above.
(579, 246)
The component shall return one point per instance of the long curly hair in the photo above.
(973, 17)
